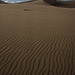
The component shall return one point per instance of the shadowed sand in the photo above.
(37, 39)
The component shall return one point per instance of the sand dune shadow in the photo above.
(65, 4)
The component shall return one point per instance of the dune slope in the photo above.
(37, 39)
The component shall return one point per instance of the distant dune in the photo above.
(1, 2)
(37, 39)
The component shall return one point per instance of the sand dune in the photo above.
(37, 39)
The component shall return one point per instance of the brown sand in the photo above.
(37, 39)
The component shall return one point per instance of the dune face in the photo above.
(37, 39)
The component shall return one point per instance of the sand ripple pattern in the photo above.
(43, 45)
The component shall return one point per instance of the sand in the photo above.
(37, 39)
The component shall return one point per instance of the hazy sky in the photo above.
(14, 1)
(17, 1)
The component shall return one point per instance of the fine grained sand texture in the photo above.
(37, 39)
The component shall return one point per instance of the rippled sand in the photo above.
(37, 39)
